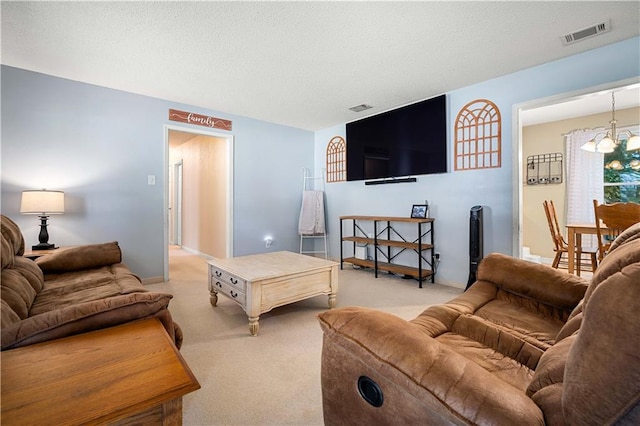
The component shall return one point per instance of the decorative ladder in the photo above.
(309, 183)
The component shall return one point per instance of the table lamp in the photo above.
(42, 203)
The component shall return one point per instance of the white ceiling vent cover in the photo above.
(594, 30)
(361, 107)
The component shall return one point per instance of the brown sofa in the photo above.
(526, 344)
(69, 292)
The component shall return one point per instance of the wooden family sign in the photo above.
(198, 119)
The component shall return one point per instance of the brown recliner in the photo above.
(526, 344)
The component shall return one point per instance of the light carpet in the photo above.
(274, 378)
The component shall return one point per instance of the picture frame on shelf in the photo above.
(419, 211)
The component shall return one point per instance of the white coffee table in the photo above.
(261, 282)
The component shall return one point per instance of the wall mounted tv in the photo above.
(411, 140)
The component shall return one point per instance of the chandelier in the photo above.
(608, 141)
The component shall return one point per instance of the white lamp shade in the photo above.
(42, 202)
(606, 145)
(589, 146)
(633, 143)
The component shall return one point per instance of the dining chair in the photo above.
(616, 218)
(561, 247)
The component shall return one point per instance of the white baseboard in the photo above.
(196, 252)
(152, 280)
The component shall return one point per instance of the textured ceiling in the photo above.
(301, 64)
(583, 105)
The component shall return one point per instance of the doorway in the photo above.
(554, 105)
(198, 189)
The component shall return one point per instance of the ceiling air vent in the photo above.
(584, 33)
(360, 107)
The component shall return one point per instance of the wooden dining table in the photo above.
(574, 239)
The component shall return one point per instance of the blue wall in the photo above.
(98, 145)
(451, 195)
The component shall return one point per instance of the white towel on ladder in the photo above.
(311, 213)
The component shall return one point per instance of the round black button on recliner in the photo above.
(370, 391)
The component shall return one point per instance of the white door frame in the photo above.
(175, 203)
(517, 159)
(229, 194)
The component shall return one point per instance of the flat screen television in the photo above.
(411, 140)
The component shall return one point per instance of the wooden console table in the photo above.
(127, 374)
(386, 236)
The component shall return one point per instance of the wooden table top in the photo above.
(268, 265)
(391, 218)
(28, 252)
(93, 377)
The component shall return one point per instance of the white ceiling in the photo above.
(583, 105)
(301, 64)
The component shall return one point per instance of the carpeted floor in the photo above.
(274, 378)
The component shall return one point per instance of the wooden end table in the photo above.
(131, 373)
(34, 254)
(261, 282)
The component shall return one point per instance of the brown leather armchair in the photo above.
(526, 344)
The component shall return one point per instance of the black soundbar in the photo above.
(391, 180)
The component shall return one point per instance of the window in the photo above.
(622, 173)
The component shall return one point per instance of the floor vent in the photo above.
(588, 32)
(361, 107)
